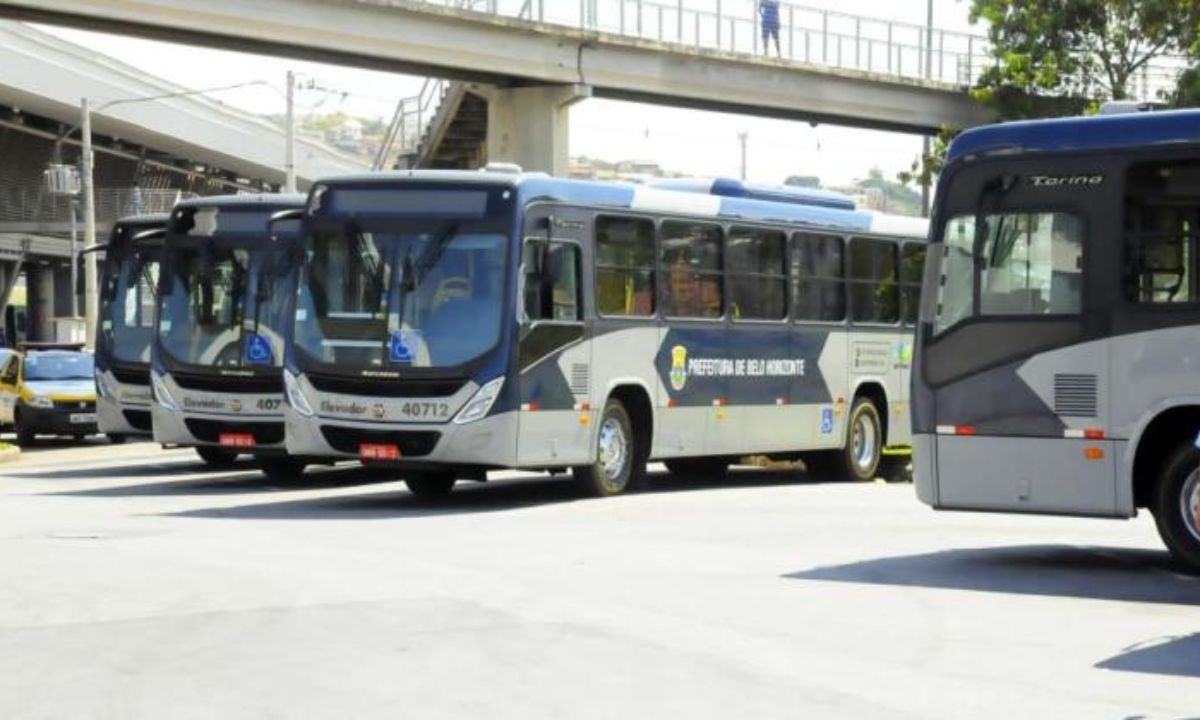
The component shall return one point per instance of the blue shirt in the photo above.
(769, 9)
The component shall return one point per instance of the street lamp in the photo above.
(91, 299)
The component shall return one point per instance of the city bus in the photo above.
(452, 323)
(125, 326)
(1058, 361)
(225, 298)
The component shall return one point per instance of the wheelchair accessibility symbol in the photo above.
(827, 421)
(400, 346)
(258, 350)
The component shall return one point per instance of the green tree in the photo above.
(1057, 57)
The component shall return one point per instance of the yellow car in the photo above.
(48, 389)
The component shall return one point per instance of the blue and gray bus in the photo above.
(1058, 359)
(225, 300)
(126, 326)
(452, 323)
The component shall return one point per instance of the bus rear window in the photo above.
(1025, 264)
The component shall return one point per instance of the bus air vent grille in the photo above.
(580, 379)
(1075, 395)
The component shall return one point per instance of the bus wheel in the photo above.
(216, 458)
(118, 439)
(282, 469)
(430, 486)
(864, 444)
(25, 434)
(711, 468)
(617, 467)
(1177, 506)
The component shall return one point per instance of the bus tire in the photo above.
(282, 469)
(619, 466)
(859, 459)
(1176, 506)
(117, 439)
(430, 486)
(25, 434)
(216, 458)
(702, 468)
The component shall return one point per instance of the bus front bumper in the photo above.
(255, 434)
(115, 417)
(487, 443)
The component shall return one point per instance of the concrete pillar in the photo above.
(39, 301)
(10, 271)
(62, 290)
(530, 126)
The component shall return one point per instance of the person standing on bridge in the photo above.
(768, 11)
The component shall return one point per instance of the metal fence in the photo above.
(24, 205)
(807, 35)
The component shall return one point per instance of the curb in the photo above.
(10, 454)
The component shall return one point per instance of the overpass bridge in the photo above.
(531, 59)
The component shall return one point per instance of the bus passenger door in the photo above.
(1018, 397)
(554, 361)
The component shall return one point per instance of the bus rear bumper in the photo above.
(490, 442)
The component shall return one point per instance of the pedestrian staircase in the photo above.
(443, 127)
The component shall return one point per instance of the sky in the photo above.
(682, 140)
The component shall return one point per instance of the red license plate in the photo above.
(376, 451)
(236, 440)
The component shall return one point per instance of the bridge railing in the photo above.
(808, 35)
(411, 120)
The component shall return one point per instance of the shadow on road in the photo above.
(1178, 656)
(493, 496)
(248, 479)
(136, 468)
(1125, 574)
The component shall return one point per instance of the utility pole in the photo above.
(926, 147)
(90, 296)
(290, 144)
(743, 138)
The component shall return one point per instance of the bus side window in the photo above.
(756, 260)
(625, 276)
(1162, 219)
(819, 276)
(874, 295)
(562, 302)
(690, 254)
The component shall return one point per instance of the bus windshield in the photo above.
(413, 292)
(225, 305)
(127, 303)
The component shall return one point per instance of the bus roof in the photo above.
(648, 198)
(1101, 132)
(729, 187)
(244, 200)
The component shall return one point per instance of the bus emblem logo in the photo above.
(678, 367)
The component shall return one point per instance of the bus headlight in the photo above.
(479, 405)
(161, 394)
(39, 401)
(104, 386)
(295, 395)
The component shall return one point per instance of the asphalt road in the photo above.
(134, 583)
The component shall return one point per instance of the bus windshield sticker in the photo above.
(258, 350)
(400, 346)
